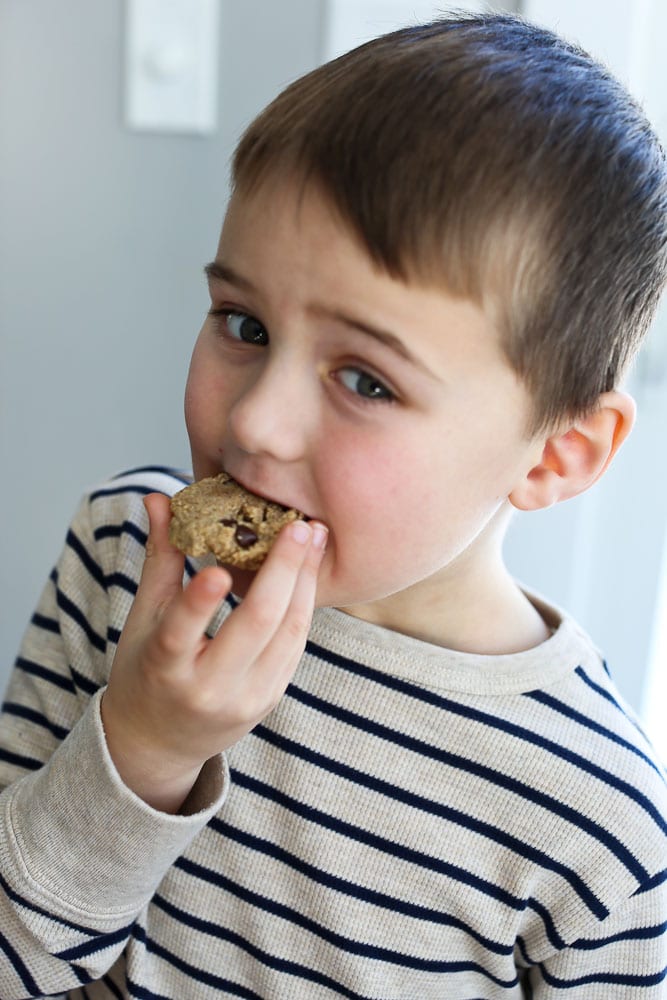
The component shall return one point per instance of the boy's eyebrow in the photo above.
(389, 340)
(216, 270)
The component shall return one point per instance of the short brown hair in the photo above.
(489, 156)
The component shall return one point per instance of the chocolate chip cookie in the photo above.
(220, 516)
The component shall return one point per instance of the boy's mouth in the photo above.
(248, 485)
(219, 514)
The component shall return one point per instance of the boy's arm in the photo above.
(80, 853)
(80, 856)
(624, 957)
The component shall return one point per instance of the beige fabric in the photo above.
(409, 823)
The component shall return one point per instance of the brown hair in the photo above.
(489, 156)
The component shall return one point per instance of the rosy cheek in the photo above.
(206, 390)
(205, 413)
(372, 482)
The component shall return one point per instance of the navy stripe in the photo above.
(116, 530)
(633, 934)
(18, 760)
(69, 684)
(98, 943)
(122, 582)
(603, 692)
(84, 556)
(284, 912)
(553, 936)
(493, 833)
(84, 683)
(521, 945)
(608, 696)
(382, 844)
(22, 901)
(608, 978)
(652, 883)
(165, 470)
(37, 670)
(563, 709)
(82, 975)
(68, 607)
(199, 975)
(48, 624)
(113, 636)
(23, 712)
(142, 491)
(143, 993)
(313, 975)
(189, 568)
(490, 774)
(19, 967)
(513, 729)
(354, 889)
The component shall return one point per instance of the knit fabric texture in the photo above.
(410, 822)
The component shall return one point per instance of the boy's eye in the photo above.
(364, 384)
(244, 327)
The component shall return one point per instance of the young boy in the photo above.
(441, 253)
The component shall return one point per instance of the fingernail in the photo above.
(300, 532)
(320, 535)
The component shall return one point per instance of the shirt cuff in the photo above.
(76, 836)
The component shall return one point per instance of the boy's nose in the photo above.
(274, 414)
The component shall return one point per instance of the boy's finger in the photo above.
(253, 626)
(179, 635)
(284, 652)
(162, 572)
(159, 514)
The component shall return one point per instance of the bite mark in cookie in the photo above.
(218, 515)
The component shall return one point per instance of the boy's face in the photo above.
(384, 409)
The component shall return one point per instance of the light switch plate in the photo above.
(171, 65)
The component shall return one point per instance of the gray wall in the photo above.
(103, 234)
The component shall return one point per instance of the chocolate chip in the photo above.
(228, 522)
(245, 536)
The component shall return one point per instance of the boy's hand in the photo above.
(176, 698)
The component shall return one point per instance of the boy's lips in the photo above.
(248, 485)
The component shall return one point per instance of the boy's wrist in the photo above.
(162, 783)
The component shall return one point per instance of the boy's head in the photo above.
(439, 254)
(486, 156)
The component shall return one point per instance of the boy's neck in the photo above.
(489, 615)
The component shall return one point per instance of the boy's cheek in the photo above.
(205, 420)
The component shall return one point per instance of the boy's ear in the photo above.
(574, 458)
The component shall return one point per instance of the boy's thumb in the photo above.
(162, 573)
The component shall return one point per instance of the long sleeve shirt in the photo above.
(409, 823)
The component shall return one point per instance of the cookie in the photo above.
(220, 516)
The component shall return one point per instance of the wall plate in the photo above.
(171, 65)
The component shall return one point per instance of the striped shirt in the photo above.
(409, 823)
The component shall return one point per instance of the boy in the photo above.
(440, 254)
